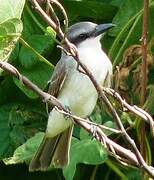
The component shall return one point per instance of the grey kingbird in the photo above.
(74, 90)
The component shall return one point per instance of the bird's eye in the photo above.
(83, 36)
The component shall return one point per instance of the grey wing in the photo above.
(58, 78)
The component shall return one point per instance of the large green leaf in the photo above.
(149, 104)
(17, 123)
(131, 33)
(125, 13)
(40, 75)
(94, 10)
(33, 67)
(32, 23)
(10, 25)
(41, 43)
(10, 31)
(86, 151)
(25, 152)
(10, 9)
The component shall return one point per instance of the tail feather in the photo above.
(52, 151)
(61, 154)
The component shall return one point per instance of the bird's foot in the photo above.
(67, 116)
(94, 132)
(80, 69)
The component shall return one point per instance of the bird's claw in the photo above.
(66, 116)
(95, 133)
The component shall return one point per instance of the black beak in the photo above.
(101, 28)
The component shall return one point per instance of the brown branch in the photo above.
(64, 14)
(47, 18)
(45, 96)
(144, 75)
(54, 16)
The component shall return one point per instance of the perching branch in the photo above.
(87, 125)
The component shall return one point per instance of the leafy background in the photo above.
(28, 43)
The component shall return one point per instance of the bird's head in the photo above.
(82, 31)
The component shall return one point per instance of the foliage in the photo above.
(27, 42)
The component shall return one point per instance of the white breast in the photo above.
(79, 92)
(92, 55)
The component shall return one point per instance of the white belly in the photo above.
(79, 95)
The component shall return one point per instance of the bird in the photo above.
(73, 88)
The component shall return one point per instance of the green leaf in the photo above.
(10, 25)
(15, 53)
(18, 122)
(32, 67)
(86, 151)
(41, 43)
(93, 10)
(10, 31)
(40, 74)
(50, 32)
(100, 115)
(25, 152)
(5, 147)
(32, 22)
(149, 104)
(133, 173)
(11, 9)
(131, 33)
(128, 10)
(117, 3)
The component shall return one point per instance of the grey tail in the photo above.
(52, 151)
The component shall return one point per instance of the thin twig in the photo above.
(55, 18)
(64, 14)
(45, 96)
(132, 108)
(47, 18)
